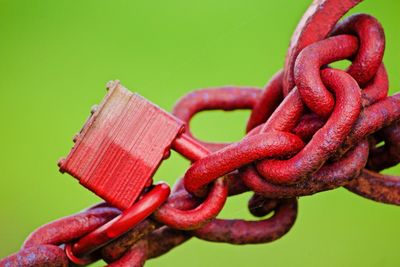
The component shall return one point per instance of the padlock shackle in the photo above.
(189, 147)
(81, 250)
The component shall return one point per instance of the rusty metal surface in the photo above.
(312, 128)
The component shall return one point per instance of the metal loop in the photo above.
(119, 225)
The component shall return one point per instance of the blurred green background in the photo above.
(56, 57)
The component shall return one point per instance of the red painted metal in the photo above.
(250, 149)
(325, 141)
(379, 187)
(330, 176)
(224, 98)
(308, 65)
(37, 256)
(315, 25)
(118, 226)
(189, 148)
(269, 100)
(388, 155)
(377, 89)
(194, 218)
(312, 128)
(369, 56)
(252, 232)
(73, 227)
(121, 146)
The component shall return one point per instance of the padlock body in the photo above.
(121, 146)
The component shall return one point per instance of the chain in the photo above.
(312, 128)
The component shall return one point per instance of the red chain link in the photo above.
(312, 128)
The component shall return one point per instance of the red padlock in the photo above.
(121, 146)
(115, 156)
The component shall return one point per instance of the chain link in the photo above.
(312, 128)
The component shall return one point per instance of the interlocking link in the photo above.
(312, 128)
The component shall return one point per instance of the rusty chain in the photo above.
(312, 128)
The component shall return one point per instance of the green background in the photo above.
(56, 57)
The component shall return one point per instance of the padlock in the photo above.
(116, 155)
(121, 146)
